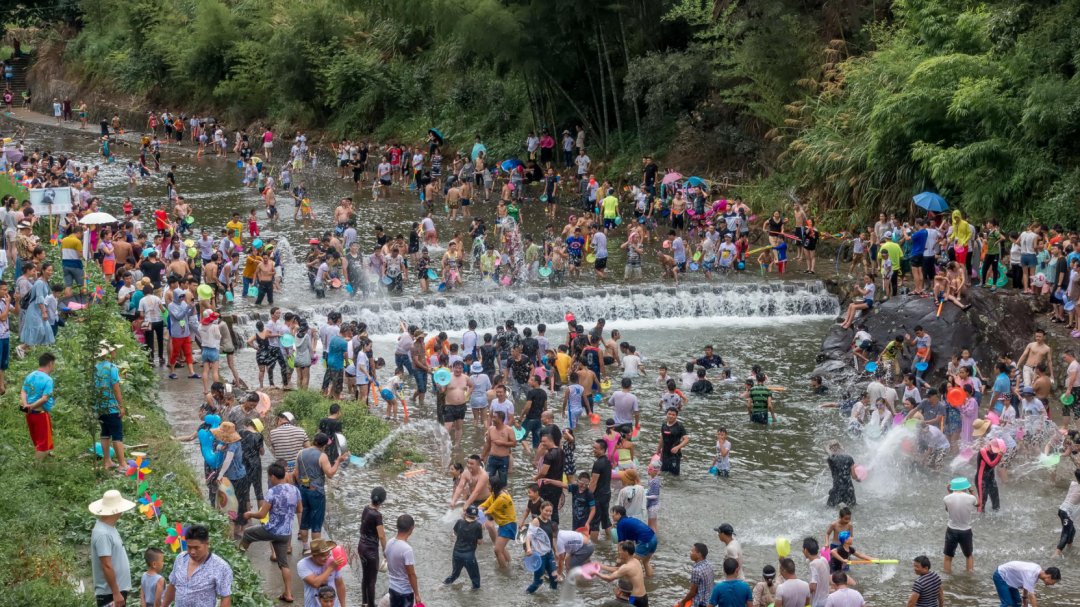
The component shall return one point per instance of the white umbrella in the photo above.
(97, 219)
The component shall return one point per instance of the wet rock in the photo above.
(440, 302)
(996, 323)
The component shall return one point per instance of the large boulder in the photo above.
(996, 323)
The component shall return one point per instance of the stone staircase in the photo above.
(18, 76)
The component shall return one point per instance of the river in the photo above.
(779, 479)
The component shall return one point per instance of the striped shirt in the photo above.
(286, 441)
(928, 586)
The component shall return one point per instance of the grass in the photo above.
(43, 547)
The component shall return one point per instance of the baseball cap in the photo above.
(1027, 390)
(471, 511)
(725, 529)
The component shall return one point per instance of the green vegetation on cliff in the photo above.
(850, 106)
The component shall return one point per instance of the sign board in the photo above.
(51, 201)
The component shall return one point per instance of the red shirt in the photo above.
(161, 219)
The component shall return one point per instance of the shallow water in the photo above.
(779, 478)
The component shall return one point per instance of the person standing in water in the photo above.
(842, 467)
(988, 458)
(960, 503)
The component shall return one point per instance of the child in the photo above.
(394, 385)
(327, 596)
(152, 586)
(1015, 270)
(722, 463)
(781, 256)
(652, 496)
(572, 400)
(253, 224)
(858, 252)
(468, 533)
(532, 507)
(887, 275)
(842, 523)
(583, 505)
(51, 307)
(137, 328)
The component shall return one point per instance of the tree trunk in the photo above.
(603, 92)
(637, 111)
(611, 78)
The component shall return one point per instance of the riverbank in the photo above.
(43, 548)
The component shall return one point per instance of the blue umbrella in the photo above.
(511, 164)
(694, 182)
(930, 201)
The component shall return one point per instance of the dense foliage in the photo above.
(847, 105)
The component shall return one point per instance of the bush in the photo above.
(362, 429)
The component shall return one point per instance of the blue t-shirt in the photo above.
(106, 375)
(781, 251)
(38, 384)
(731, 593)
(630, 528)
(918, 243)
(282, 499)
(1002, 384)
(335, 354)
(574, 245)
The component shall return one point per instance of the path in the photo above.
(92, 131)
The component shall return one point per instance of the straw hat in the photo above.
(226, 433)
(980, 427)
(111, 503)
(322, 546)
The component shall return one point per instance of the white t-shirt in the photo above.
(506, 406)
(1027, 242)
(819, 575)
(150, 306)
(792, 593)
(845, 597)
(961, 509)
(582, 163)
(568, 541)
(399, 554)
(733, 550)
(688, 378)
(631, 365)
(932, 238)
(1020, 574)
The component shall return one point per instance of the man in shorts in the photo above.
(282, 503)
(457, 394)
(961, 504)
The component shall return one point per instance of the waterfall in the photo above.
(531, 307)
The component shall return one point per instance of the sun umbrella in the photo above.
(477, 148)
(438, 135)
(671, 178)
(930, 201)
(511, 164)
(694, 182)
(97, 219)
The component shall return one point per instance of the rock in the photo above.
(995, 324)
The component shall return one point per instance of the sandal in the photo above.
(283, 599)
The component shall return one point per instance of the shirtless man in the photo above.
(611, 349)
(629, 572)
(264, 279)
(465, 192)
(472, 486)
(342, 212)
(122, 249)
(177, 266)
(457, 392)
(1036, 353)
(498, 441)
(453, 200)
(210, 276)
(588, 380)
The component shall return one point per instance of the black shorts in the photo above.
(112, 427)
(575, 260)
(954, 538)
(601, 263)
(453, 413)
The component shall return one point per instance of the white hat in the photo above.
(111, 503)
(107, 348)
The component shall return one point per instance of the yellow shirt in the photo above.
(236, 228)
(71, 248)
(611, 207)
(562, 365)
(500, 509)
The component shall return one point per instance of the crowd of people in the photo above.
(527, 397)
